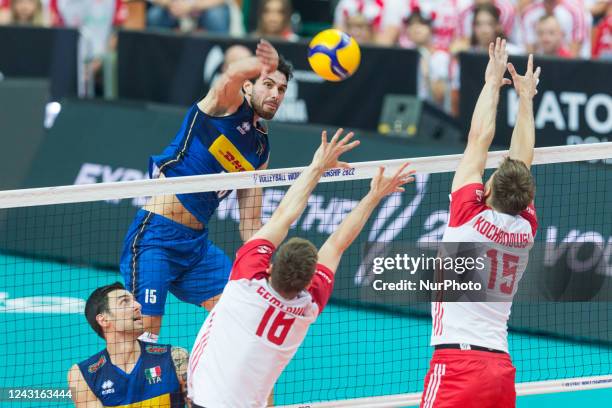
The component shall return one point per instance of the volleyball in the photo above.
(334, 55)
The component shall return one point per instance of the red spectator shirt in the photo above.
(602, 43)
(372, 10)
(443, 13)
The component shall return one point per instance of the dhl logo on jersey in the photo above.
(228, 155)
(163, 401)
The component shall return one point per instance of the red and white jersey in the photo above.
(506, 17)
(602, 42)
(252, 333)
(372, 10)
(485, 323)
(444, 15)
(571, 17)
(5, 4)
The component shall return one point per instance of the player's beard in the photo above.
(258, 107)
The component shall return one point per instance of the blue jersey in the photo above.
(208, 145)
(152, 382)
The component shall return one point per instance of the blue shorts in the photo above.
(160, 255)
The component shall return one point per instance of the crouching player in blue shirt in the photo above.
(128, 372)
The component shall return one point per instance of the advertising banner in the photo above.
(51, 53)
(573, 105)
(179, 70)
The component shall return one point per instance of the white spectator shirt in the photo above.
(252, 333)
(434, 65)
(506, 17)
(94, 19)
(372, 10)
(570, 14)
(445, 14)
(484, 324)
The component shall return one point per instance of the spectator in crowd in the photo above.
(95, 20)
(209, 15)
(550, 38)
(434, 63)
(597, 8)
(274, 20)
(5, 12)
(486, 27)
(360, 28)
(505, 12)
(26, 12)
(444, 15)
(602, 39)
(572, 18)
(361, 19)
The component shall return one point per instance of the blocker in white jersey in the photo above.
(266, 309)
(253, 332)
(471, 366)
(511, 237)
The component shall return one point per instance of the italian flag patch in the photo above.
(153, 374)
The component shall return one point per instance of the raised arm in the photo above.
(82, 396)
(226, 94)
(294, 201)
(523, 135)
(482, 129)
(381, 186)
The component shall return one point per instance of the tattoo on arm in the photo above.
(180, 356)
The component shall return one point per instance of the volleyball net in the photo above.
(370, 347)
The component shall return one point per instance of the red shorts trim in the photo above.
(469, 379)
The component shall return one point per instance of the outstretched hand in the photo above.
(268, 56)
(526, 85)
(382, 186)
(498, 59)
(326, 156)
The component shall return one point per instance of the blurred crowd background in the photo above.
(438, 29)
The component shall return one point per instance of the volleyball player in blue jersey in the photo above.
(128, 372)
(167, 246)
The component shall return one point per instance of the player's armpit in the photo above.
(82, 396)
